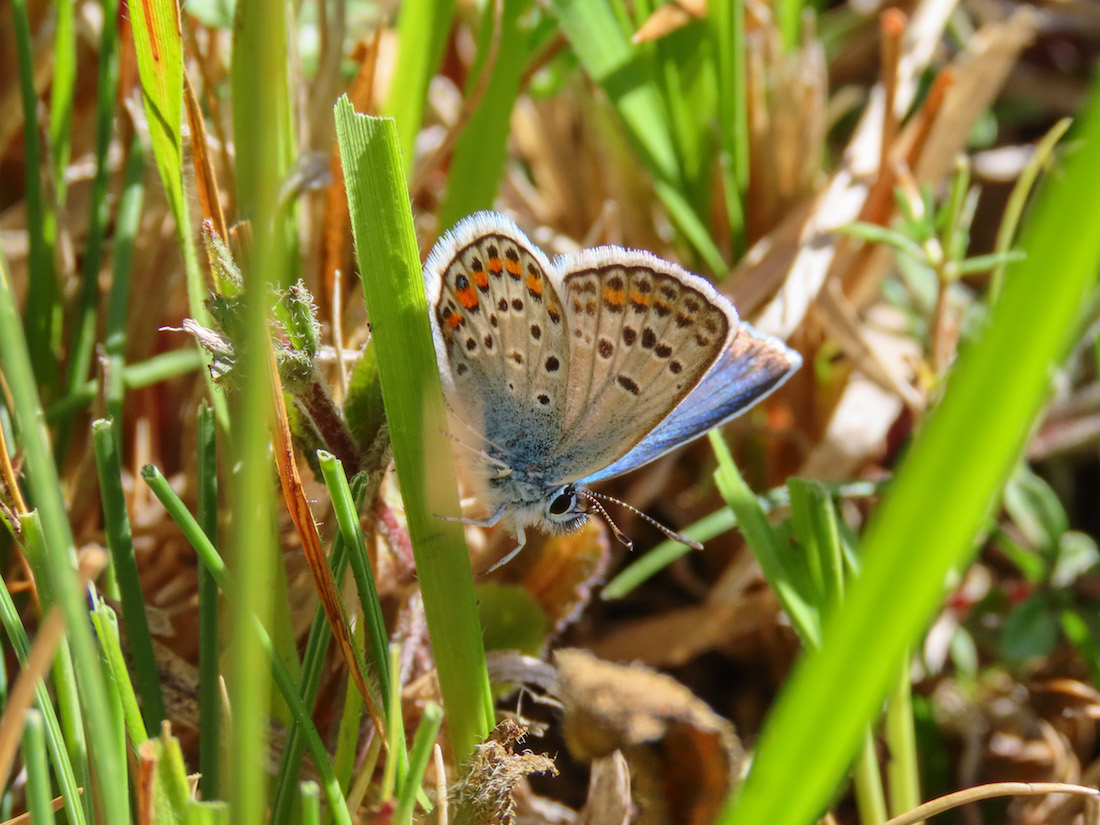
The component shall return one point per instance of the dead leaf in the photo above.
(684, 759)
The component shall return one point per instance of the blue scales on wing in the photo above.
(751, 367)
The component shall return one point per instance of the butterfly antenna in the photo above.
(672, 534)
(590, 497)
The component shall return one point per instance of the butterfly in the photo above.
(576, 370)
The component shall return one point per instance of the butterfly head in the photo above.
(525, 502)
(565, 511)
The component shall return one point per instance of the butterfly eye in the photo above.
(564, 502)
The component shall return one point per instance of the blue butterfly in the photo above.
(581, 369)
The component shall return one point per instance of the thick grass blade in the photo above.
(159, 49)
(156, 27)
(937, 505)
(386, 252)
(62, 88)
(260, 39)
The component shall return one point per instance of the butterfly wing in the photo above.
(642, 333)
(752, 367)
(500, 335)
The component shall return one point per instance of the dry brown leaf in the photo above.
(668, 18)
(846, 194)
(608, 800)
(675, 637)
(684, 759)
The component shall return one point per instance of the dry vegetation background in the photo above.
(1003, 690)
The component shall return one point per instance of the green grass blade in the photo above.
(899, 732)
(159, 49)
(1018, 197)
(126, 227)
(421, 34)
(667, 552)
(938, 503)
(813, 520)
(43, 293)
(82, 338)
(39, 794)
(481, 150)
(787, 580)
(67, 693)
(128, 721)
(257, 638)
(210, 695)
(311, 803)
(156, 28)
(116, 523)
(263, 124)
(628, 77)
(317, 644)
(419, 755)
(260, 109)
(45, 488)
(351, 531)
(55, 741)
(393, 287)
(62, 87)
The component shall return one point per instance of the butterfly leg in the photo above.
(521, 537)
(491, 521)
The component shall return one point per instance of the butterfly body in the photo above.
(571, 371)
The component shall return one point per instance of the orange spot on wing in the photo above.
(534, 283)
(481, 278)
(615, 297)
(454, 320)
(512, 266)
(467, 297)
(495, 265)
(639, 298)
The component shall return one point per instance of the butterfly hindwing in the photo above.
(642, 333)
(753, 366)
(500, 330)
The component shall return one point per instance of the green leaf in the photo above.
(1036, 510)
(512, 619)
(1031, 630)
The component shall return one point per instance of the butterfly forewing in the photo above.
(501, 325)
(642, 334)
(749, 369)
